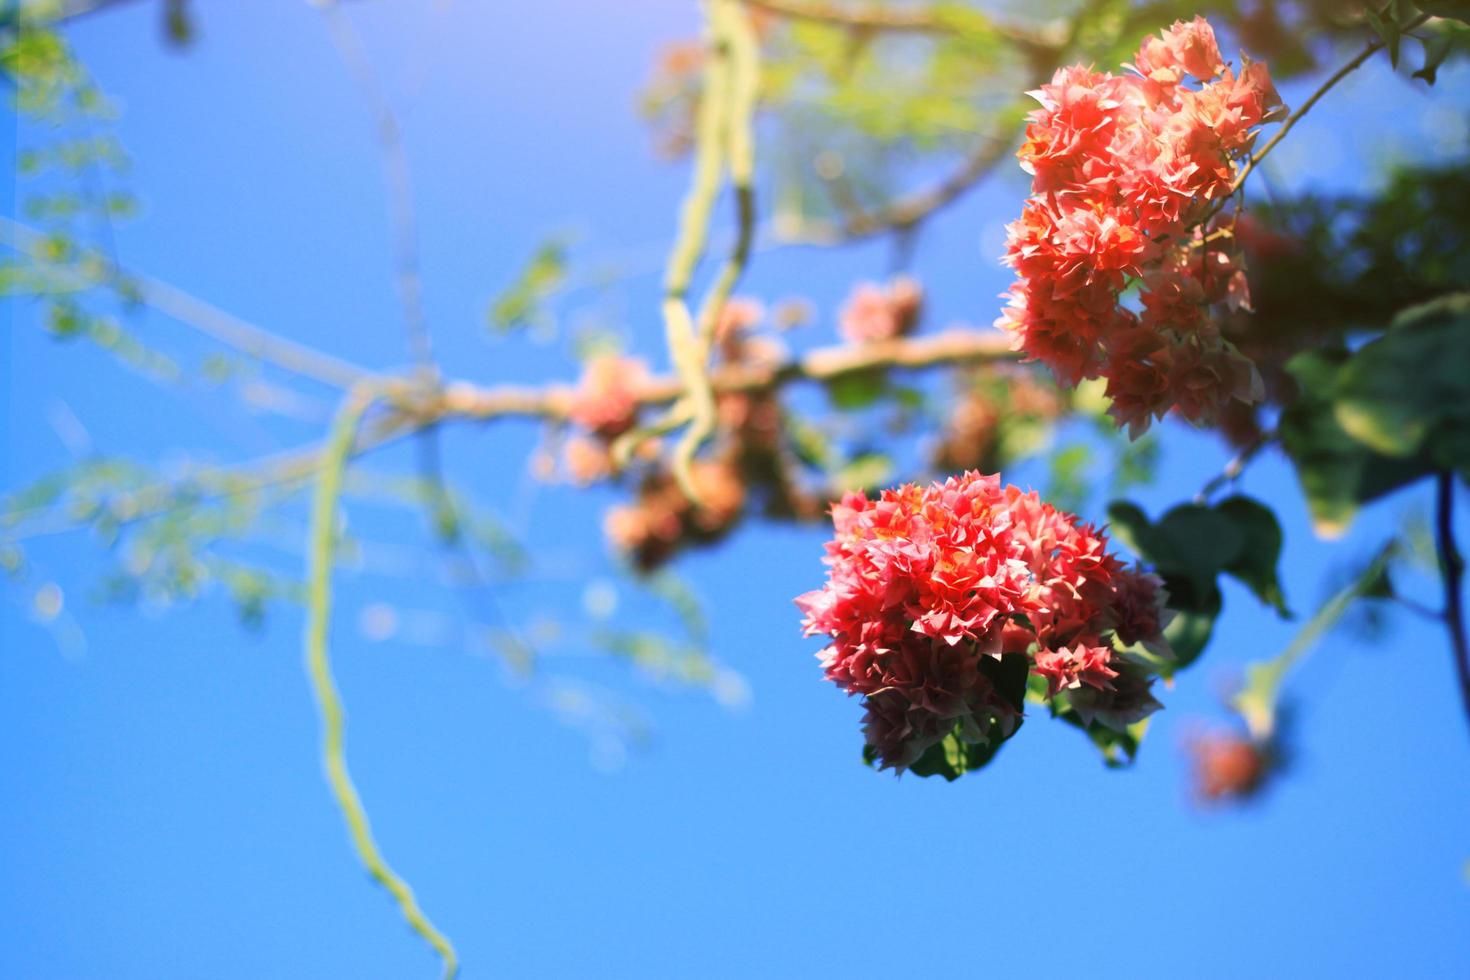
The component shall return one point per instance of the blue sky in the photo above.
(162, 811)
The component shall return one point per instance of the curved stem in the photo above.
(1452, 570)
(1372, 48)
(322, 541)
(1234, 468)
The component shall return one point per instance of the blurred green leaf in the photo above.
(1405, 390)
(865, 471)
(857, 389)
(522, 303)
(1338, 473)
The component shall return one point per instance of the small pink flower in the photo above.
(586, 460)
(873, 312)
(738, 315)
(605, 400)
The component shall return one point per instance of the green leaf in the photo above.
(1409, 385)
(865, 471)
(522, 303)
(857, 389)
(1255, 564)
(952, 756)
(1338, 473)
(1387, 29)
(1451, 9)
(1189, 547)
(1197, 542)
(1189, 631)
(1129, 525)
(1118, 749)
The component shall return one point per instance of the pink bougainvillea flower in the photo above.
(605, 401)
(1125, 168)
(928, 588)
(874, 312)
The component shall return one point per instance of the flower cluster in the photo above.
(605, 400)
(662, 520)
(747, 462)
(1127, 173)
(930, 588)
(873, 312)
(604, 405)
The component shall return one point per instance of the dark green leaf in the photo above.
(1255, 564)
(1118, 748)
(1194, 541)
(1129, 525)
(1452, 9)
(1189, 631)
(952, 756)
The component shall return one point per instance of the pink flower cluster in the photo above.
(605, 401)
(1125, 170)
(873, 312)
(929, 587)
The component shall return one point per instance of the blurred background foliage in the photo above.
(872, 118)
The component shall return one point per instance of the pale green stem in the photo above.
(732, 26)
(1257, 700)
(322, 541)
(723, 138)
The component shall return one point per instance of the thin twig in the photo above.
(1452, 571)
(1372, 48)
(397, 181)
(189, 310)
(1235, 467)
(909, 211)
(1257, 701)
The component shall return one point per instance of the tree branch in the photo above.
(469, 401)
(908, 211)
(1452, 570)
(1235, 467)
